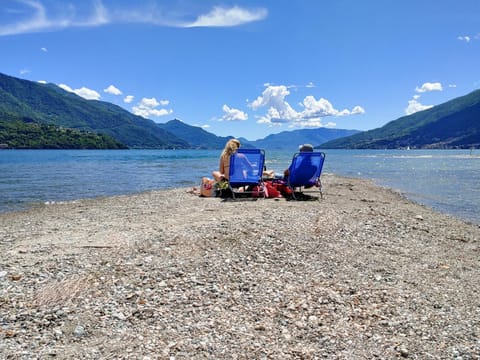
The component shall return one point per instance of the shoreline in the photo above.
(362, 273)
(40, 204)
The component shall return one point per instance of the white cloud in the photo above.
(280, 111)
(113, 90)
(468, 38)
(88, 94)
(84, 92)
(231, 114)
(24, 71)
(128, 99)
(221, 16)
(414, 106)
(426, 87)
(147, 107)
(273, 98)
(357, 110)
(44, 49)
(38, 16)
(464, 38)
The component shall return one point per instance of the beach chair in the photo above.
(305, 172)
(245, 175)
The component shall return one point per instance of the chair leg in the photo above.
(232, 192)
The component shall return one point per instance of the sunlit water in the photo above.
(446, 180)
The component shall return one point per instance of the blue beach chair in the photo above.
(245, 175)
(305, 172)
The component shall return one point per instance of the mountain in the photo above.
(49, 104)
(195, 136)
(198, 138)
(290, 140)
(454, 124)
(22, 134)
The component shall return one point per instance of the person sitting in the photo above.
(302, 148)
(231, 147)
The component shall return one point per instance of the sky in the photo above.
(249, 68)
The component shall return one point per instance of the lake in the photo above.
(445, 180)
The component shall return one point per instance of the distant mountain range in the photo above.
(287, 140)
(48, 104)
(453, 124)
(292, 139)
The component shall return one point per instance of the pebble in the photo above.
(79, 331)
(349, 276)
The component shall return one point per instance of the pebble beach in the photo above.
(361, 273)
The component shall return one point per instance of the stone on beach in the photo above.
(362, 273)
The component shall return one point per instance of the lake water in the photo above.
(445, 180)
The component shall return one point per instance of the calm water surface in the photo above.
(446, 180)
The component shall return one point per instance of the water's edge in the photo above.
(445, 181)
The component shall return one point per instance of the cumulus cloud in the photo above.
(280, 111)
(222, 16)
(128, 99)
(414, 106)
(231, 114)
(84, 92)
(113, 90)
(28, 16)
(148, 107)
(427, 87)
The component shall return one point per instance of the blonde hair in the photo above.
(231, 146)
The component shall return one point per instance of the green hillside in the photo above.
(21, 134)
(49, 104)
(453, 124)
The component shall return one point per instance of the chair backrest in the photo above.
(306, 168)
(246, 167)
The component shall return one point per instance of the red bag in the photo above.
(271, 190)
(282, 188)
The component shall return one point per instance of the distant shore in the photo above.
(361, 273)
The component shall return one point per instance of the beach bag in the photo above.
(271, 190)
(268, 190)
(206, 187)
(222, 190)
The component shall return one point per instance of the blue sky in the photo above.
(250, 68)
